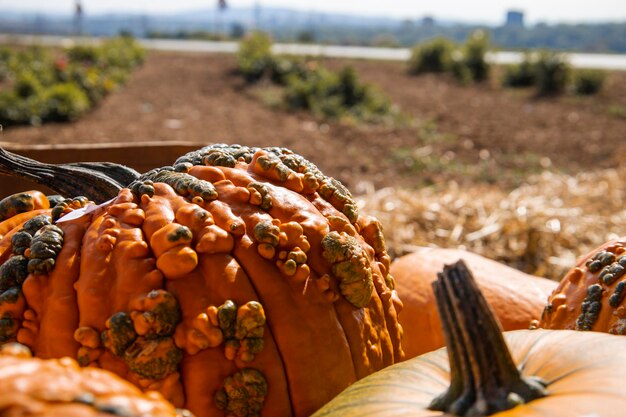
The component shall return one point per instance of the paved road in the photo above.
(599, 61)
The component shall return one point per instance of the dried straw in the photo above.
(540, 227)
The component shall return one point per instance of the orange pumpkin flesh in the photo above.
(59, 387)
(560, 372)
(236, 283)
(591, 295)
(516, 298)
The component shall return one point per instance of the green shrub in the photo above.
(96, 83)
(432, 56)
(588, 82)
(281, 69)
(84, 54)
(304, 92)
(474, 55)
(254, 58)
(27, 85)
(335, 95)
(460, 71)
(469, 64)
(19, 110)
(5, 56)
(35, 60)
(553, 73)
(64, 102)
(520, 75)
(122, 52)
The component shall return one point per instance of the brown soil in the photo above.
(196, 97)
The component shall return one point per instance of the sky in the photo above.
(479, 11)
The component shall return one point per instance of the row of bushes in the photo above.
(41, 85)
(311, 87)
(547, 71)
(467, 62)
(550, 73)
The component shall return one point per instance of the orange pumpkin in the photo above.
(541, 372)
(591, 295)
(515, 297)
(239, 281)
(59, 387)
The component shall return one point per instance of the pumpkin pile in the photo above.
(482, 372)
(516, 298)
(244, 282)
(238, 281)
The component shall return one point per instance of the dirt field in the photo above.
(480, 145)
(501, 135)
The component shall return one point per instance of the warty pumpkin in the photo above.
(541, 373)
(239, 281)
(60, 387)
(516, 298)
(591, 295)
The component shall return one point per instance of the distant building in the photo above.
(428, 21)
(514, 18)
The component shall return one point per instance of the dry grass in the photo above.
(540, 227)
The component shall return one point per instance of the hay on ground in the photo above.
(540, 228)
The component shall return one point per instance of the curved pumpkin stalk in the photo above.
(99, 181)
(484, 377)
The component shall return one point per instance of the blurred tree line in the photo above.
(609, 37)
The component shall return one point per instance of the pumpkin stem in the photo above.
(97, 181)
(484, 378)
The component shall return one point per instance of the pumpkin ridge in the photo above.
(528, 355)
(305, 214)
(220, 366)
(270, 333)
(431, 378)
(288, 343)
(374, 385)
(343, 308)
(55, 336)
(571, 372)
(207, 277)
(309, 209)
(336, 222)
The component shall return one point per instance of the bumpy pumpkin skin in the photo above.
(591, 295)
(583, 371)
(516, 298)
(244, 284)
(59, 387)
(21, 203)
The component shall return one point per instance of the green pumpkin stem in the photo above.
(484, 378)
(97, 181)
